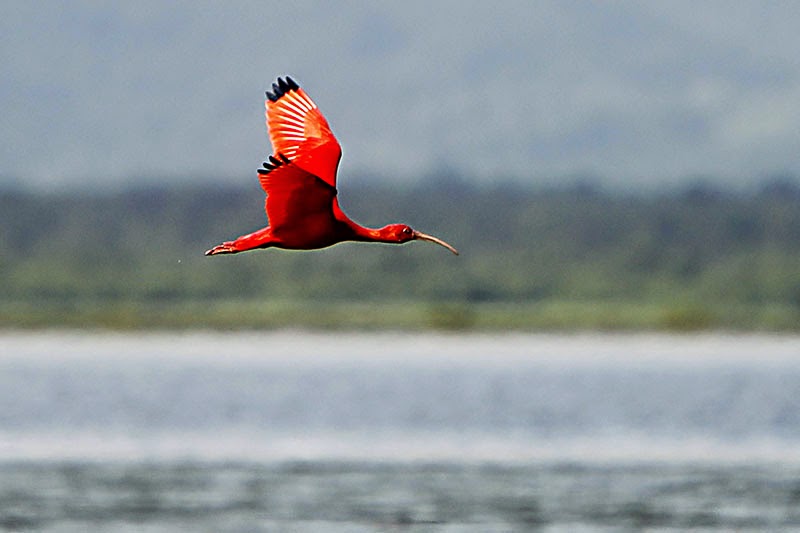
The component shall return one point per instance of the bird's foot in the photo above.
(224, 248)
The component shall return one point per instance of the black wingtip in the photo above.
(281, 87)
(273, 163)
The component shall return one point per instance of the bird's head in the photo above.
(401, 233)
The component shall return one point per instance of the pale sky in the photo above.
(105, 93)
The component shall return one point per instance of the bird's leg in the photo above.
(258, 239)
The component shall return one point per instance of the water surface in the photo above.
(363, 432)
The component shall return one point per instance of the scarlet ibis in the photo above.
(300, 182)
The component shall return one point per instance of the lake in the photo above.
(301, 431)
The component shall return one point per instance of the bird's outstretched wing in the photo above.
(297, 201)
(300, 133)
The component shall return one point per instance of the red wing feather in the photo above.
(296, 199)
(299, 132)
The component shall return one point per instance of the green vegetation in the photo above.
(531, 259)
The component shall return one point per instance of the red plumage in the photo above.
(300, 183)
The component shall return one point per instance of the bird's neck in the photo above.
(352, 231)
(360, 233)
(349, 230)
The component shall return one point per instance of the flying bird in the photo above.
(300, 181)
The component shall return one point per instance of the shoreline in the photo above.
(559, 316)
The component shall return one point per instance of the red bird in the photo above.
(300, 182)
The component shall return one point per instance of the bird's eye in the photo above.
(407, 231)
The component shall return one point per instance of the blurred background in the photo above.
(619, 165)
(614, 348)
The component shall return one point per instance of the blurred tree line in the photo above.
(518, 245)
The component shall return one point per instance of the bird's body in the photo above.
(300, 182)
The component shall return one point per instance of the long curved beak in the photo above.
(425, 237)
